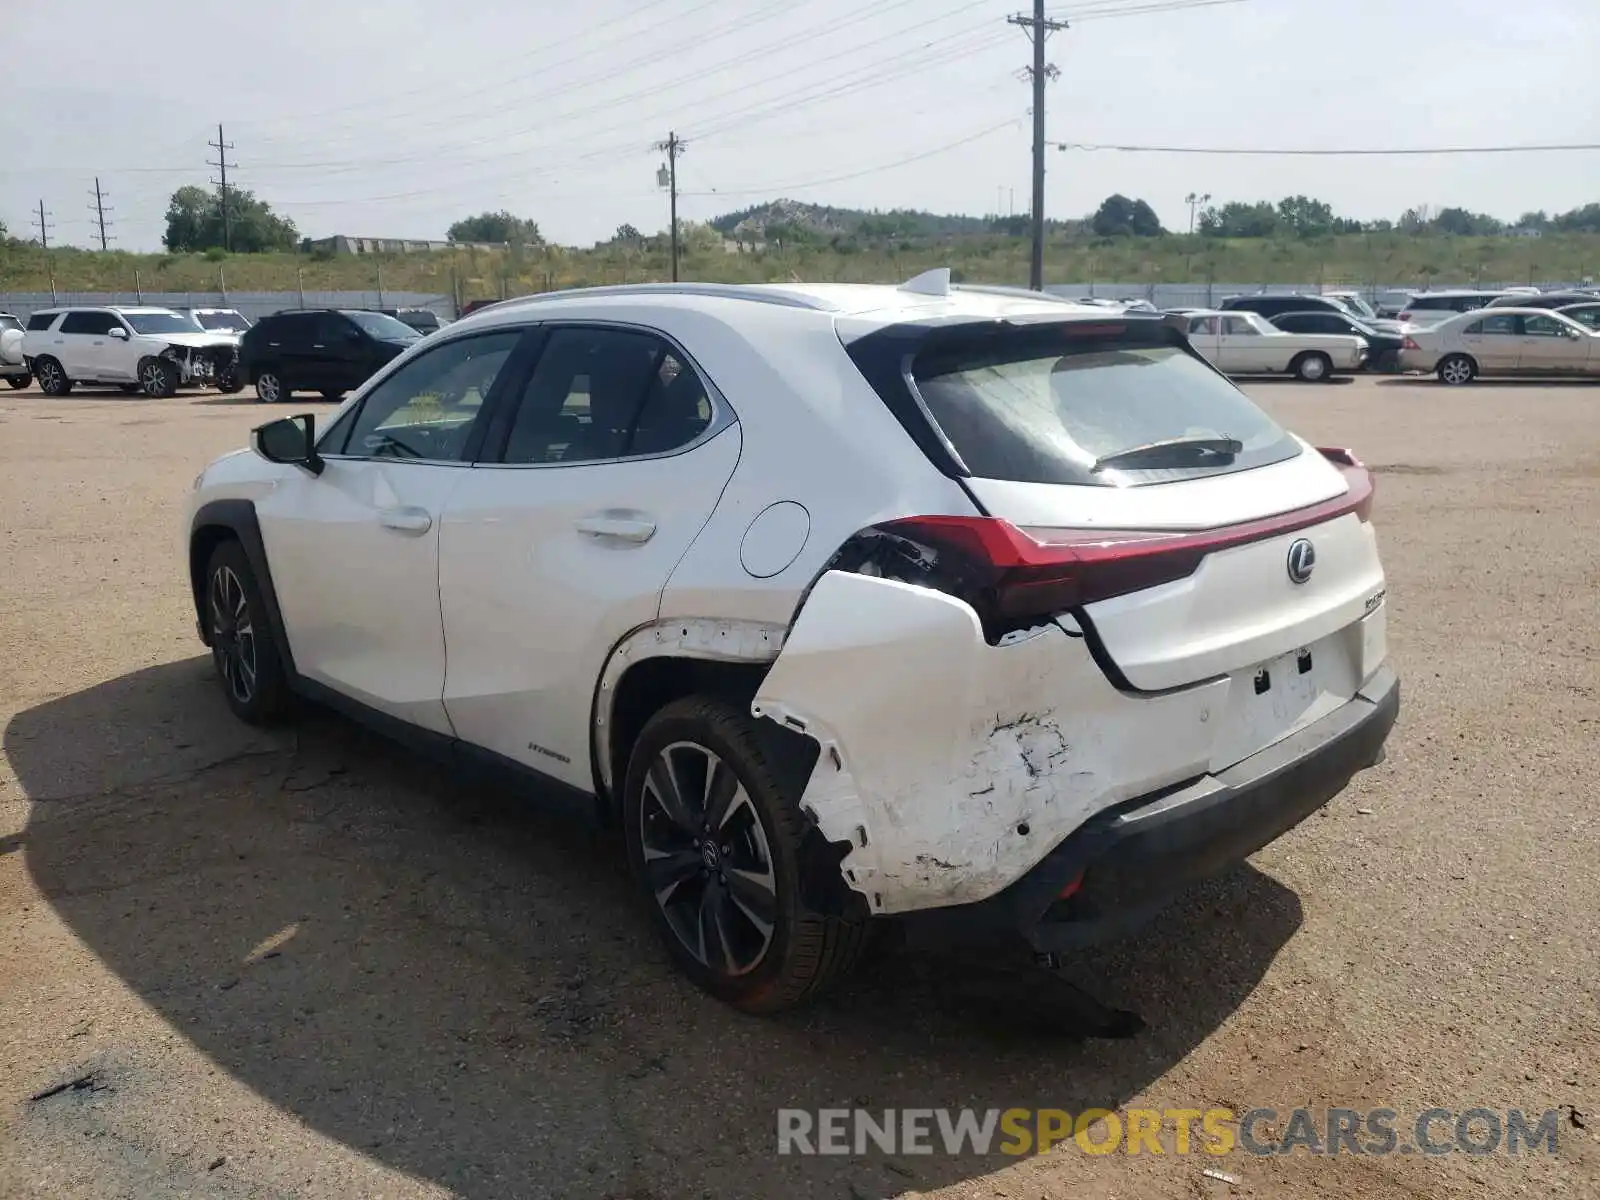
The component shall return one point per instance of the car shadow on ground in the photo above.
(462, 987)
(1522, 381)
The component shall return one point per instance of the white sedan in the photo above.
(1502, 341)
(1246, 343)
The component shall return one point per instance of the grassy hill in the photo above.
(822, 255)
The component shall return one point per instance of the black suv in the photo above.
(1383, 349)
(323, 350)
(1273, 306)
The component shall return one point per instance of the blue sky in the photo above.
(396, 118)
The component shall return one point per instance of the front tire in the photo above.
(52, 379)
(269, 387)
(18, 382)
(244, 647)
(1313, 368)
(158, 378)
(1456, 370)
(743, 891)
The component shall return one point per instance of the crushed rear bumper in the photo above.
(1131, 861)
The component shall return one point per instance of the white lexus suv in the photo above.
(963, 607)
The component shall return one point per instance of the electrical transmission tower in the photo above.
(667, 177)
(43, 224)
(222, 147)
(98, 208)
(1038, 27)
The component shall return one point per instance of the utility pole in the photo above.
(41, 223)
(667, 177)
(1039, 27)
(222, 148)
(1195, 203)
(99, 211)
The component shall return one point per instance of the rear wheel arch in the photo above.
(665, 661)
(234, 520)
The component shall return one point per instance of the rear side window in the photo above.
(1494, 326)
(41, 321)
(1044, 405)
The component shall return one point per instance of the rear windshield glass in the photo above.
(1046, 407)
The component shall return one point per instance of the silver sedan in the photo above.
(1502, 341)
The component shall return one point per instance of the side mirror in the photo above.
(117, 331)
(289, 440)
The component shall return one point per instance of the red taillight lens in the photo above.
(1410, 344)
(1015, 575)
(1405, 316)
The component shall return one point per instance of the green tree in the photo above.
(1464, 223)
(495, 227)
(1305, 217)
(194, 223)
(627, 235)
(1236, 219)
(1579, 220)
(1119, 216)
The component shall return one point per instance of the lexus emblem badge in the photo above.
(1302, 560)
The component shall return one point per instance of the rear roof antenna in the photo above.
(930, 283)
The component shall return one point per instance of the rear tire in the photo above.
(1456, 370)
(52, 378)
(757, 914)
(18, 382)
(244, 646)
(158, 378)
(1313, 368)
(269, 387)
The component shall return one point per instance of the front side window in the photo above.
(1046, 405)
(1239, 327)
(599, 394)
(98, 323)
(1544, 327)
(427, 409)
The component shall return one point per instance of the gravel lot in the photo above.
(304, 964)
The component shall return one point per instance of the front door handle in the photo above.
(618, 526)
(414, 521)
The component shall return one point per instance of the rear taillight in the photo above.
(1405, 316)
(1410, 343)
(1014, 577)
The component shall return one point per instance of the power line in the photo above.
(1343, 152)
(222, 147)
(99, 210)
(43, 225)
(1039, 28)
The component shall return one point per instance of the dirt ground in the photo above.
(306, 964)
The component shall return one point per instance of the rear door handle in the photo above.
(617, 526)
(414, 521)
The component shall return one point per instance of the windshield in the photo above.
(384, 327)
(1356, 305)
(1034, 407)
(226, 321)
(167, 322)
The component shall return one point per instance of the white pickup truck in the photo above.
(1246, 343)
(13, 367)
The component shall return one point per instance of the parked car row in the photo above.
(1501, 340)
(1246, 343)
(155, 351)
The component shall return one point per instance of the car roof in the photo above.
(857, 307)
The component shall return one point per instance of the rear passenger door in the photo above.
(1203, 335)
(1495, 341)
(80, 343)
(599, 473)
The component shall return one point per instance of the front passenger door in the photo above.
(354, 552)
(561, 542)
(1243, 349)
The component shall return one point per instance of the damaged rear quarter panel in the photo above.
(952, 766)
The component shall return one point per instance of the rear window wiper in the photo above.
(1181, 451)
